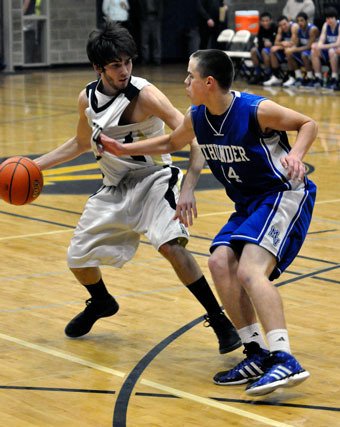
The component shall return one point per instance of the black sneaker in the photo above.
(83, 322)
(255, 80)
(226, 333)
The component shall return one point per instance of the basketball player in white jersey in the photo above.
(242, 137)
(139, 193)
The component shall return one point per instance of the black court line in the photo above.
(169, 396)
(326, 279)
(287, 405)
(121, 405)
(142, 242)
(120, 410)
(55, 209)
(322, 231)
(37, 219)
(303, 276)
(67, 390)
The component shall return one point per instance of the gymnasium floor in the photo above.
(152, 364)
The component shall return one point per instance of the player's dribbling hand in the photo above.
(295, 167)
(186, 209)
(110, 145)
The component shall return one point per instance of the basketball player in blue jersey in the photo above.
(299, 55)
(327, 50)
(139, 193)
(283, 40)
(243, 139)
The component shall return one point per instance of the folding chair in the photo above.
(239, 52)
(225, 38)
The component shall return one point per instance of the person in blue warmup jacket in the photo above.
(243, 139)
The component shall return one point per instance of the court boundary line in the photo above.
(180, 393)
(170, 396)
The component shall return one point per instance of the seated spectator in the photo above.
(293, 7)
(327, 50)
(283, 40)
(299, 55)
(260, 54)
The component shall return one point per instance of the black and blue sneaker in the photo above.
(282, 370)
(252, 367)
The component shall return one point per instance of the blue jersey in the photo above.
(304, 35)
(332, 36)
(241, 157)
(286, 36)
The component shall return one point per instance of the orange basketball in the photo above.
(21, 180)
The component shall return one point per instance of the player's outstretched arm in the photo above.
(274, 116)
(75, 146)
(175, 141)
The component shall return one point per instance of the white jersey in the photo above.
(104, 114)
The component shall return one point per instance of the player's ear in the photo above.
(98, 69)
(209, 81)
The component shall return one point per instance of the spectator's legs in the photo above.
(144, 41)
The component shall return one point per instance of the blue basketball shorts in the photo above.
(298, 56)
(278, 223)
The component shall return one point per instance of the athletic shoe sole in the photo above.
(238, 382)
(291, 381)
(231, 348)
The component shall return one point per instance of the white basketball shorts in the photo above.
(114, 218)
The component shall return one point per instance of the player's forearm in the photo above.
(305, 138)
(152, 146)
(196, 165)
(66, 152)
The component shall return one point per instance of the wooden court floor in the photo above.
(152, 364)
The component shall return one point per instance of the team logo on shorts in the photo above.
(274, 234)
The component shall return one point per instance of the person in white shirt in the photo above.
(116, 10)
(293, 7)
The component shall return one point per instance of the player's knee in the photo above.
(217, 264)
(171, 250)
(245, 276)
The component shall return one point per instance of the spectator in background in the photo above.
(189, 32)
(150, 13)
(117, 11)
(260, 54)
(327, 50)
(299, 55)
(283, 40)
(293, 7)
(210, 23)
(32, 32)
(2, 59)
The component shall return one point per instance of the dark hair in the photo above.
(266, 15)
(110, 43)
(302, 15)
(282, 17)
(331, 12)
(215, 63)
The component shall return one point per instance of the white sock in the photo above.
(309, 74)
(318, 76)
(335, 76)
(278, 340)
(252, 333)
(298, 74)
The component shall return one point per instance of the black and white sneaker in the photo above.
(95, 309)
